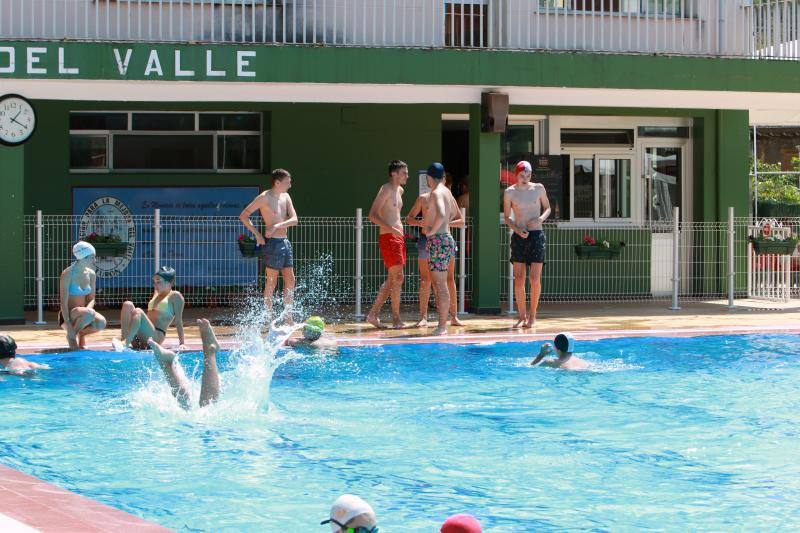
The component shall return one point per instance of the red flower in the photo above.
(241, 237)
(589, 241)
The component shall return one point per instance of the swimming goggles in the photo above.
(346, 529)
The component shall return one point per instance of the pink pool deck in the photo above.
(30, 502)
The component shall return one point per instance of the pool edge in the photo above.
(46, 507)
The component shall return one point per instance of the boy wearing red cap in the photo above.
(385, 213)
(525, 208)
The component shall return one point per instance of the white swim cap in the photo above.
(82, 250)
(346, 508)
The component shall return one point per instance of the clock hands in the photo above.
(14, 119)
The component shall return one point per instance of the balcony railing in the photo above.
(728, 28)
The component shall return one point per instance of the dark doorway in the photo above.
(455, 152)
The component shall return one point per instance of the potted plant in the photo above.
(774, 244)
(107, 245)
(590, 248)
(247, 246)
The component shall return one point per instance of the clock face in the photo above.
(17, 120)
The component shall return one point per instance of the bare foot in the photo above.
(375, 321)
(398, 324)
(82, 341)
(440, 330)
(163, 355)
(207, 335)
(454, 321)
(520, 323)
(422, 323)
(73, 342)
(530, 323)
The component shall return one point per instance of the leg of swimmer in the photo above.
(209, 392)
(270, 282)
(442, 300)
(126, 316)
(288, 293)
(424, 292)
(451, 290)
(98, 324)
(536, 290)
(133, 326)
(519, 293)
(380, 299)
(396, 277)
(178, 383)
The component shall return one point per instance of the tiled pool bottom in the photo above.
(663, 433)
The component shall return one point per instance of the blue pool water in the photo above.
(697, 433)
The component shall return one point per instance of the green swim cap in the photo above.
(313, 328)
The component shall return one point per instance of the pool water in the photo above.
(663, 433)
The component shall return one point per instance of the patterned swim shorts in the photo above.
(441, 248)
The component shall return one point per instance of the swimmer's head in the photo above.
(564, 342)
(349, 512)
(83, 250)
(313, 328)
(166, 274)
(8, 347)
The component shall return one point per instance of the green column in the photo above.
(12, 182)
(484, 169)
(733, 141)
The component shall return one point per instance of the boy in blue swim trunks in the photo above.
(277, 211)
(442, 212)
(527, 202)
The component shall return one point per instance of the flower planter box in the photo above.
(249, 249)
(110, 249)
(596, 252)
(786, 247)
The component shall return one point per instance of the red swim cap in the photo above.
(461, 523)
(523, 166)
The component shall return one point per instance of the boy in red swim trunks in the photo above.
(385, 213)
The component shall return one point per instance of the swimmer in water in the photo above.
(564, 347)
(314, 336)
(9, 362)
(77, 284)
(176, 377)
(164, 308)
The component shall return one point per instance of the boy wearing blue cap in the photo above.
(564, 348)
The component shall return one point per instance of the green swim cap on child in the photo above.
(313, 328)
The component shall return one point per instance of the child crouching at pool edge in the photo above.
(564, 348)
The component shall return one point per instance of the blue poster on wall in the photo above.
(202, 249)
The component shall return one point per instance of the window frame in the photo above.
(196, 132)
(596, 154)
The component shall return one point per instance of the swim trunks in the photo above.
(422, 248)
(441, 248)
(529, 250)
(278, 254)
(393, 249)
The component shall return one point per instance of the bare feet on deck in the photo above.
(422, 323)
(454, 321)
(397, 323)
(440, 330)
(375, 321)
(520, 323)
(530, 323)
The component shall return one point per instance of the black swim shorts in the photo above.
(278, 254)
(528, 250)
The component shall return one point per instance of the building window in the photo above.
(643, 7)
(165, 141)
(602, 187)
(466, 24)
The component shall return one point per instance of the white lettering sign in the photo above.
(209, 69)
(34, 60)
(62, 67)
(153, 64)
(122, 65)
(242, 63)
(178, 70)
(10, 51)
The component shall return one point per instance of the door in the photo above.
(663, 182)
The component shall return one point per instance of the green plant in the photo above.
(95, 238)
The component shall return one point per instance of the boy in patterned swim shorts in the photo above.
(442, 211)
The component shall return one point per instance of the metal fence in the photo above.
(336, 260)
(733, 28)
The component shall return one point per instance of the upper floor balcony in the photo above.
(706, 28)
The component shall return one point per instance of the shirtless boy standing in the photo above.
(530, 207)
(385, 213)
(442, 212)
(278, 213)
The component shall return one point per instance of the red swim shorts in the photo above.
(393, 249)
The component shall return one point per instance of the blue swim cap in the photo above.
(565, 342)
(436, 171)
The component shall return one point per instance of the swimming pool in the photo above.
(664, 434)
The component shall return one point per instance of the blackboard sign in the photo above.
(549, 170)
